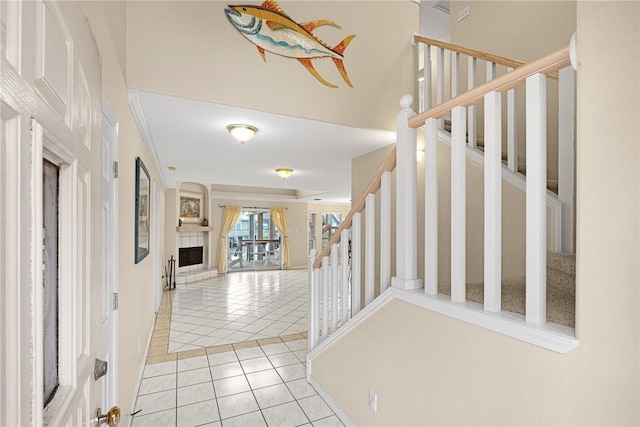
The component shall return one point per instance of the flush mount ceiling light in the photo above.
(284, 172)
(242, 133)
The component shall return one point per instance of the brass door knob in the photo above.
(111, 418)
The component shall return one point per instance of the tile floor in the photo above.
(238, 307)
(255, 381)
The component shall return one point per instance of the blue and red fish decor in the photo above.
(272, 30)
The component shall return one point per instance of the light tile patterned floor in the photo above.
(255, 381)
(238, 307)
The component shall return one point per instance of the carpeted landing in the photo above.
(561, 291)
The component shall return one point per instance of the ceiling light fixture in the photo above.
(242, 133)
(284, 172)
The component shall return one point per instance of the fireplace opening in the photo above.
(190, 256)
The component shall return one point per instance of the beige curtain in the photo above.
(229, 218)
(279, 218)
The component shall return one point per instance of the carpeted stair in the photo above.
(561, 291)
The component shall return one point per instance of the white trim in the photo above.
(369, 248)
(385, 231)
(512, 129)
(12, 247)
(37, 403)
(458, 203)
(334, 286)
(356, 260)
(332, 403)
(140, 374)
(493, 202)
(431, 207)
(138, 113)
(406, 200)
(112, 118)
(344, 276)
(472, 69)
(325, 297)
(455, 77)
(536, 212)
(313, 303)
(355, 321)
(558, 338)
(566, 151)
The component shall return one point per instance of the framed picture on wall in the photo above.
(142, 214)
(191, 207)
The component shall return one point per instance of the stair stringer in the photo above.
(519, 181)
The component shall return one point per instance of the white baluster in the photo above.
(317, 274)
(431, 207)
(427, 77)
(440, 81)
(406, 201)
(356, 262)
(385, 231)
(566, 153)
(344, 275)
(335, 314)
(458, 204)
(472, 81)
(491, 71)
(455, 78)
(369, 248)
(536, 222)
(325, 297)
(312, 326)
(512, 130)
(492, 201)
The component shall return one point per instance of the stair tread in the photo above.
(561, 302)
(565, 263)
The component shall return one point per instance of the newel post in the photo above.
(406, 200)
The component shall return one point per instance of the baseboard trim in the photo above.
(332, 404)
(352, 323)
(558, 338)
(140, 374)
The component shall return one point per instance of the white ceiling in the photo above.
(192, 136)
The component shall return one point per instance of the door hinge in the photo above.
(115, 301)
(115, 169)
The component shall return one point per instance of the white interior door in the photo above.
(50, 107)
(109, 283)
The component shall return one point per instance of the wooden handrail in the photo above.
(550, 63)
(388, 165)
(489, 57)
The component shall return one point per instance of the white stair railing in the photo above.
(336, 274)
(536, 203)
(342, 279)
(442, 52)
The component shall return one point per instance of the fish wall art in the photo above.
(272, 30)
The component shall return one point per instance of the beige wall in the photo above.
(523, 30)
(444, 371)
(189, 49)
(135, 284)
